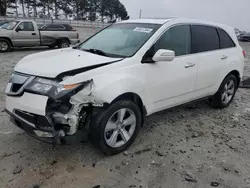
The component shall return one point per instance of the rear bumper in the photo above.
(74, 41)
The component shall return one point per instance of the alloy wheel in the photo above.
(3, 46)
(120, 128)
(228, 92)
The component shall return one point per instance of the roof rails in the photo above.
(160, 18)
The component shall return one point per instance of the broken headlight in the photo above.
(53, 89)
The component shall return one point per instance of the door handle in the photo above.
(189, 65)
(224, 57)
(33, 34)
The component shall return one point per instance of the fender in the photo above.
(106, 90)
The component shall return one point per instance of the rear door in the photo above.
(230, 54)
(206, 47)
(26, 35)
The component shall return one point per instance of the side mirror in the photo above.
(18, 29)
(164, 55)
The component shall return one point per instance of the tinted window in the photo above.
(225, 40)
(177, 39)
(204, 38)
(55, 27)
(26, 26)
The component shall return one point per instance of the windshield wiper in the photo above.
(100, 52)
(96, 51)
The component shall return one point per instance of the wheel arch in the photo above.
(237, 75)
(58, 40)
(136, 99)
(8, 39)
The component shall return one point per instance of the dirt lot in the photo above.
(192, 146)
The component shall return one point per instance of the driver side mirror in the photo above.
(164, 55)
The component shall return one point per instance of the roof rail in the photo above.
(159, 18)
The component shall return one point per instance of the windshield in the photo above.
(10, 25)
(123, 39)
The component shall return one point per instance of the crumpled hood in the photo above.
(54, 62)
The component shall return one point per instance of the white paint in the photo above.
(160, 85)
(51, 63)
(27, 102)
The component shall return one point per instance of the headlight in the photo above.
(52, 88)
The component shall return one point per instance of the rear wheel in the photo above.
(64, 44)
(114, 130)
(5, 45)
(52, 46)
(225, 95)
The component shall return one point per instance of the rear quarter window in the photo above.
(225, 40)
(204, 38)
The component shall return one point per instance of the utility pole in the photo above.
(140, 13)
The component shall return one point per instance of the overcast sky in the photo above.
(235, 13)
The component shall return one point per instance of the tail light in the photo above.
(244, 53)
(77, 35)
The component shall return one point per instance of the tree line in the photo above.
(91, 10)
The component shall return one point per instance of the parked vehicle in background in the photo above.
(237, 32)
(57, 27)
(108, 84)
(27, 34)
(2, 23)
(244, 37)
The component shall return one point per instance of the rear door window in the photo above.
(204, 38)
(225, 40)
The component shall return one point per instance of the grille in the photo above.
(26, 116)
(38, 121)
(17, 83)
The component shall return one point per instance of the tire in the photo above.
(112, 141)
(52, 46)
(5, 45)
(222, 98)
(64, 44)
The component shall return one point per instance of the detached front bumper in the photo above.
(25, 122)
(44, 131)
(28, 112)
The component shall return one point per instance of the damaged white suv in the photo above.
(108, 84)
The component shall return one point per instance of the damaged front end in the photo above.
(68, 110)
(71, 115)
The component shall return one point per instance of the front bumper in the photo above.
(45, 131)
(28, 112)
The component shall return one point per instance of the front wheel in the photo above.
(5, 45)
(225, 95)
(114, 130)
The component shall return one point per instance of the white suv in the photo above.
(108, 84)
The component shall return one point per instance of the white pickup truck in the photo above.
(27, 34)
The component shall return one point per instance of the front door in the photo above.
(25, 35)
(172, 83)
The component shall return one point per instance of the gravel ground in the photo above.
(191, 146)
